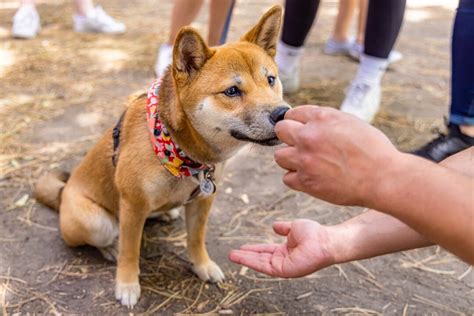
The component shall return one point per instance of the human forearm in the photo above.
(434, 200)
(372, 234)
(360, 166)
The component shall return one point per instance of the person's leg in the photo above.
(298, 19)
(83, 7)
(462, 79)
(340, 42)
(357, 47)
(225, 30)
(384, 19)
(184, 12)
(461, 118)
(219, 16)
(343, 20)
(93, 19)
(26, 21)
(361, 21)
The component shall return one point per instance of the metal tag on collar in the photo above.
(207, 184)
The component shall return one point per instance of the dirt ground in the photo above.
(58, 93)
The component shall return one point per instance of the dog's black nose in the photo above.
(278, 114)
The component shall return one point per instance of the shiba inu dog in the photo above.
(169, 147)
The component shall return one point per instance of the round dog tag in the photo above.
(207, 187)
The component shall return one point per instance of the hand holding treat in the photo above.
(332, 155)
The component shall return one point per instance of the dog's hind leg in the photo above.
(84, 222)
(197, 213)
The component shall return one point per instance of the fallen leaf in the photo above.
(245, 198)
(22, 201)
(15, 163)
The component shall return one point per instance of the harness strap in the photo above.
(116, 138)
(196, 192)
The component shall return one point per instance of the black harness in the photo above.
(116, 138)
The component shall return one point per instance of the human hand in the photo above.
(333, 155)
(308, 249)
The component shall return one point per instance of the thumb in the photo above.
(282, 228)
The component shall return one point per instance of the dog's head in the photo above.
(231, 94)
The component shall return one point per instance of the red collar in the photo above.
(171, 156)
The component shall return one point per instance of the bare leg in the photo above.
(218, 11)
(467, 130)
(27, 2)
(196, 220)
(184, 12)
(343, 20)
(361, 21)
(82, 7)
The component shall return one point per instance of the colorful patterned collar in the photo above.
(171, 156)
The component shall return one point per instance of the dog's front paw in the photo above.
(127, 293)
(209, 271)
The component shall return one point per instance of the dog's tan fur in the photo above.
(199, 117)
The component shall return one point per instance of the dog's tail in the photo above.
(49, 187)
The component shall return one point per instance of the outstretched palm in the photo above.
(307, 250)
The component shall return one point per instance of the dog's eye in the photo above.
(232, 92)
(271, 81)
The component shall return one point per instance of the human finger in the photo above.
(287, 131)
(260, 247)
(287, 158)
(282, 228)
(291, 180)
(260, 262)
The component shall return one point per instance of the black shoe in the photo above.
(445, 145)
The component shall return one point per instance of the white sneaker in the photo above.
(362, 100)
(164, 59)
(290, 80)
(97, 21)
(357, 49)
(26, 22)
(288, 60)
(333, 47)
(394, 56)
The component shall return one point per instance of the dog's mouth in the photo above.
(271, 141)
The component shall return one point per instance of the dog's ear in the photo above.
(265, 33)
(190, 53)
